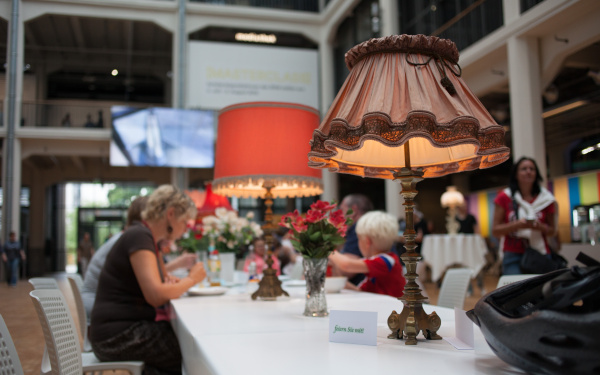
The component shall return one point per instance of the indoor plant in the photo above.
(315, 236)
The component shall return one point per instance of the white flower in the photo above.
(250, 215)
(221, 212)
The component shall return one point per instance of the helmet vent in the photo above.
(551, 360)
(561, 340)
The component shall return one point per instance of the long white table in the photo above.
(232, 334)
(443, 250)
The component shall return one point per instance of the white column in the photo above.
(14, 225)
(180, 178)
(389, 17)
(15, 182)
(511, 11)
(390, 25)
(330, 180)
(527, 125)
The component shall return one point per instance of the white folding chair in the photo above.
(454, 287)
(43, 283)
(509, 279)
(62, 341)
(9, 358)
(76, 283)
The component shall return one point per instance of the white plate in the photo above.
(209, 291)
(294, 283)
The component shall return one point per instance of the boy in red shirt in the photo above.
(377, 231)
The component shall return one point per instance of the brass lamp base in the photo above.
(413, 318)
(269, 287)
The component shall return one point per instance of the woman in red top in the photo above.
(524, 213)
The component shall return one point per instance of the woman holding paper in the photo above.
(524, 215)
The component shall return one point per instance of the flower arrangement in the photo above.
(228, 231)
(193, 240)
(320, 231)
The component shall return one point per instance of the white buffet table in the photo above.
(443, 250)
(232, 334)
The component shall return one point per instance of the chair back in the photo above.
(454, 288)
(76, 283)
(60, 332)
(9, 359)
(43, 283)
(509, 279)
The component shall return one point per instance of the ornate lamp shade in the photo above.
(406, 90)
(260, 144)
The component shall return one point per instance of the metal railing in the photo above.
(297, 5)
(463, 25)
(56, 114)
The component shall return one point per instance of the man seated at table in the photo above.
(377, 231)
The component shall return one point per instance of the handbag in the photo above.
(533, 261)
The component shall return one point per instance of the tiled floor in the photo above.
(19, 314)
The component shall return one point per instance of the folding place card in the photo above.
(353, 327)
(463, 331)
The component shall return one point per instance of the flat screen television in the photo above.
(162, 137)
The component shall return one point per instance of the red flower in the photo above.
(299, 224)
(322, 206)
(313, 216)
(337, 218)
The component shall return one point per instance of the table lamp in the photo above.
(212, 201)
(404, 113)
(258, 155)
(451, 199)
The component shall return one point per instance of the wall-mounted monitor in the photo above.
(162, 137)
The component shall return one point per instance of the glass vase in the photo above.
(314, 274)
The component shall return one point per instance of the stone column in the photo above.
(527, 125)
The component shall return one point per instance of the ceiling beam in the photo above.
(77, 32)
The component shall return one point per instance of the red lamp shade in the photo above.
(264, 144)
(212, 202)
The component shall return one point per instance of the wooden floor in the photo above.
(19, 314)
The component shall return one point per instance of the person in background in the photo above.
(467, 222)
(360, 205)
(377, 231)
(130, 288)
(92, 274)
(259, 248)
(88, 122)
(66, 121)
(12, 254)
(524, 214)
(85, 251)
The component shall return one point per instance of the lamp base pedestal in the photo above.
(269, 288)
(413, 318)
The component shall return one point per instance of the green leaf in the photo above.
(315, 236)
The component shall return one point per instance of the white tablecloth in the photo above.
(232, 334)
(443, 250)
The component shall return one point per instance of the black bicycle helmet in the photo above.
(548, 324)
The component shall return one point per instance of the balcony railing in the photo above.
(452, 20)
(66, 114)
(301, 5)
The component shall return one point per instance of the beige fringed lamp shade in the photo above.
(406, 89)
(264, 144)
